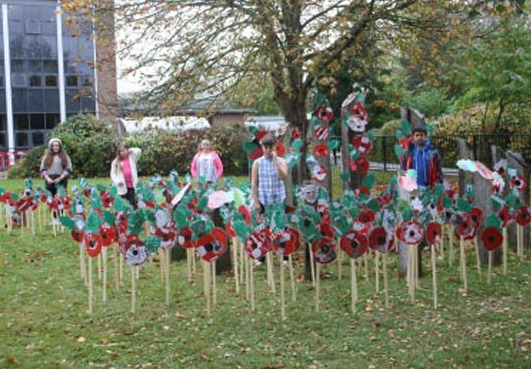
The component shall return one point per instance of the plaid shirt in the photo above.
(271, 188)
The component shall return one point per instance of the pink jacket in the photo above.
(217, 163)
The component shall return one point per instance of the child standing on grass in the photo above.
(207, 164)
(124, 173)
(55, 166)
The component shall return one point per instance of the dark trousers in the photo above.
(53, 187)
(130, 196)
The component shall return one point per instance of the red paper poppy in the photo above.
(361, 165)
(404, 142)
(361, 190)
(53, 204)
(358, 111)
(258, 244)
(380, 240)
(93, 244)
(410, 233)
(321, 133)
(246, 212)
(523, 217)
(210, 248)
(505, 216)
(354, 244)
(433, 233)
(465, 227)
(519, 183)
(121, 223)
(367, 216)
(280, 148)
(108, 234)
(321, 150)
(362, 144)
(324, 250)
(23, 204)
(319, 173)
(256, 153)
(230, 229)
(324, 113)
(477, 216)
(326, 229)
(106, 199)
(296, 134)
(34, 204)
(167, 236)
(287, 241)
(492, 238)
(261, 135)
(385, 199)
(185, 238)
(77, 235)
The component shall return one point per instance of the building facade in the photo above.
(49, 71)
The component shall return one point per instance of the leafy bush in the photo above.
(29, 166)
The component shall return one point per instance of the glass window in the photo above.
(52, 120)
(72, 80)
(3, 141)
(50, 66)
(21, 139)
(51, 80)
(18, 65)
(20, 100)
(21, 121)
(37, 121)
(51, 100)
(3, 122)
(35, 80)
(36, 98)
(35, 65)
(38, 138)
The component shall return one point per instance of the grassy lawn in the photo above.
(44, 321)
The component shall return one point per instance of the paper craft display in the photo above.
(309, 193)
(134, 250)
(108, 234)
(210, 248)
(523, 217)
(362, 144)
(286, 242)
(321, 150)
(433, 233)
(167, 236)
(258, 244)
(324, 113)
(216, 199)
(409, 181)
(360, 165)
(324, 250)
(465, 227)
(353, 112)
(321, 133)
(180, 195)
(185, 238)
(354, 244)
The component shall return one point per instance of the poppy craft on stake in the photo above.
(410, 233)
(286, 242)
(324, 250)
(492, 238)
(93, 244)
(523, 217)
(258, 244)
(433, 233)
(354, 244)
(324, 113)
(134, 251)
(185, 238)
(321, 150)
(380, 240)
(108, 234)
(210, 248)
(465, 227)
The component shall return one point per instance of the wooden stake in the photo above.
(162, 264)
(312, 266)
(463, 262)
(505, 247)
(317, 280)
(366, 266)
(246, 264)
(520, 242)
(82, 266)
(478, 260)
(167, 260)
(115, 266)
(270, 274)
(292, 279)
(206, 282)
(33, 223)
(251, 284)
(282, 290)
(121, 266)
(235, 263)
(214, 289)
(451, 246)
(386, 284)
(353, 285)
(339, 266)
(104, 284)
(189, 257)
(434, 274)
(90, 285)
(489, 275)
(377, 270)
(243, 260)
(133, 289)
(99, 266)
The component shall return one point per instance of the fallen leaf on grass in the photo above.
(206, 358)
(276, 366)
(80, 339)
(12, 360)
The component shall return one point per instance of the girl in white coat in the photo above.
(124, 174)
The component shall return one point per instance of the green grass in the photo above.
(44, 321)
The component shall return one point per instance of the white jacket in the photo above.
(117, 175)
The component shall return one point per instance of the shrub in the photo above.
(29, 166)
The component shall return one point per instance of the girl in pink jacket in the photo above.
(207, 164)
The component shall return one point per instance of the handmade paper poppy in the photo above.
(185, 238)
(362, 191)
(319, 173)
(77, 235)
(321, 150)
(210, 248)
(135, 252)
(321, 133)
(167, 235)
(326, 229)
(230, 229)
(492, 238)
(108, 234)
(106, 199)
(465, 226)
(324, 250)
(258, 244)
(410, 233)
(220, 234)
(324, 113)
(53, 204)
(366, 216)
(296, 134)
(120, 222)
(23, 204)
(362, 164)
(280, 148)
(477, 216)
(519, 183)
(261, 135)
(93, 244)
(246, 212)
(287, 241)
(433, 233)
(354, 244)
(33, 204)
(523, 217)
(362, 144)
(380, 240)
(505, 216)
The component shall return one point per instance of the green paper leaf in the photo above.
(95, 200)
(369, 179)
(152, 244)
(463, 206)
(399, 135)
(493, 221)
(135, 221)
(398, 151)
(67, 222)
(374, 205)
(332, 144)
(252, 130)
(100, 187)
(345, 176)
(406, 127)
(120, 204)
(296, 144)
(113, 191)
(93, 222)
(371, 135)
(109, 217)
(249, 146)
